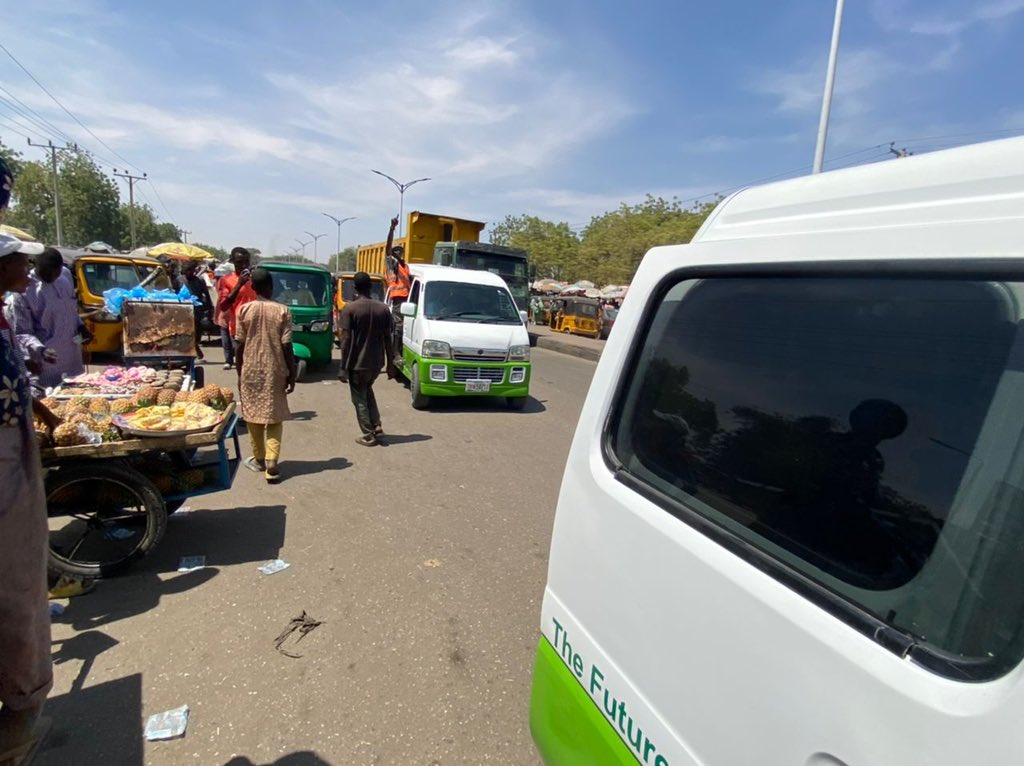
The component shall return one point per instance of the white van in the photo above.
(791, 525)
(462, 335)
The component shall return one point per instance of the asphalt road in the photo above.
(425, 560)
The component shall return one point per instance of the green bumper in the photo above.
(316, 347)
(456, 372)
(567, 726)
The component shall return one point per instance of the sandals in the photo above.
(368, 440)
(254, 465)
(272, 474)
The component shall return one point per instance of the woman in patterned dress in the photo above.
(266, 372)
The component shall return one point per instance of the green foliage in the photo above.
(343, 261)
(613, 244)
(217, 252)
(148, 230)
(553, 247)
(12, 157)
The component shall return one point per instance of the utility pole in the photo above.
(48, 146)
(184, 235)
(315, 237)
(830, 79)
(339, 221)
(401, 194)
(131, 197)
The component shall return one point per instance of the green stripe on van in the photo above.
(566, 725)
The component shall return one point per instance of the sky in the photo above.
(253, 119)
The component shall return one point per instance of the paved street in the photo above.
(424, 559)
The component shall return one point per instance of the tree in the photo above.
(89, 201)
(343, 261)
(553, 247)
(12, 157)
(148, 230)
(217, 252)
(613, 244)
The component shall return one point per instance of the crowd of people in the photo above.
(41, 339)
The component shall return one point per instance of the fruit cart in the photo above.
(108, 503)
(134, 444)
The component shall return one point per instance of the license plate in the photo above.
(478, 386)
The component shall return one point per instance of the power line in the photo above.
(170, 216)
(11, 127)
(19, 128)
(28, 122)
(36, 116)
(66, 110)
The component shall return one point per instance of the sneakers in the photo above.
(227, 366)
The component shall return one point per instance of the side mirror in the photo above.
(408, 309)
(524, 316)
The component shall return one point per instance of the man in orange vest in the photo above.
(399, 282)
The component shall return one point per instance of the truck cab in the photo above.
(463, 335)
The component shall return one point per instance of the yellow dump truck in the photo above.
(422, 232)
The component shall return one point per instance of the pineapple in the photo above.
(199, 396)
(52, 404)
(67, 435)
(214, 398)
(85, 420)
(165, 398)
(74, 409)
(80, 401)
(227, 395)
(146, 397)
(122, 406)
(99, 407)
(181, 396)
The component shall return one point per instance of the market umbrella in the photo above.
(586, 284)
(21, 234)
(180, 251)
(98, 247)
(547, 285)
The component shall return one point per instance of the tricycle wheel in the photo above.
(300, 370)
(102, 518)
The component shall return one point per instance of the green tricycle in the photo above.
(308, 292)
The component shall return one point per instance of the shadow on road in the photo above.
(121, 597)
(291, 469)
(483, 403)
(386, 440)
(303, 415)
(304, 758)
(225, 536)
(98, 724)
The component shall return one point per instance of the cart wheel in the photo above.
(102, 518)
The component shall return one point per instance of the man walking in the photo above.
(204, 311)
(49, 328)
(366, 346)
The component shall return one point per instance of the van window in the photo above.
(865, 432)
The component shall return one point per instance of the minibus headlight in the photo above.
(436, 349)
(439, 373)
(519, 354)
(518, 375)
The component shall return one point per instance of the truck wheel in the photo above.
(516, 403)
(102, 517)
(419, 401)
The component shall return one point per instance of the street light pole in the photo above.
(315, 238)
(830, 79)
(401, 196)
(339, 221)
(303, 244)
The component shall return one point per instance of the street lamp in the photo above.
(401, 195)
(826, 100)
(339, 221)
(303, 244)
(315, 238)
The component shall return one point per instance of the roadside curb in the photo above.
(542, 341)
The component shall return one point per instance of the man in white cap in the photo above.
(25, 668)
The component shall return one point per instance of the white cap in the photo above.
(10, 245)
(224, 269)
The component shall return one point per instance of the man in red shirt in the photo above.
(234, 291)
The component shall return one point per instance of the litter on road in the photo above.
(274, 566)
(167, 725)
(303, 624)
(56, 610)
(191, 563)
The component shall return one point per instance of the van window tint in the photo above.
(865, 432)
